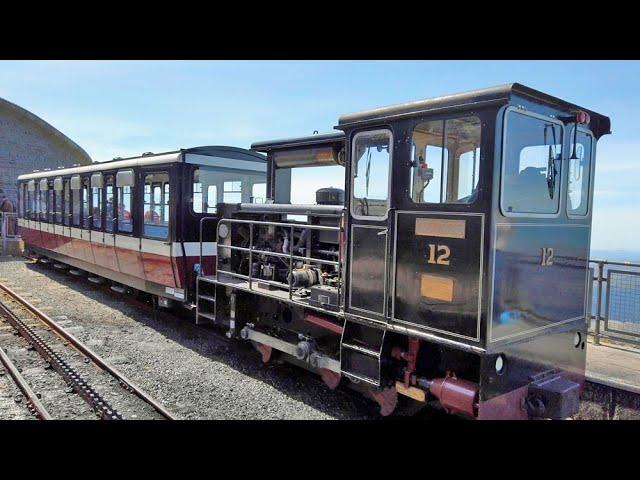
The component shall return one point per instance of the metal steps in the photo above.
(205, 301)
(360, 352)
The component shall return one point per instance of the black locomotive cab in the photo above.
(454, 268)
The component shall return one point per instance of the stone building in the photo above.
(27, 142)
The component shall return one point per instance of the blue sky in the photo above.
(129, 107)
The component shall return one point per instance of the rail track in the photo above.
(10, 304)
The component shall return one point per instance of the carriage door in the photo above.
(369, 224)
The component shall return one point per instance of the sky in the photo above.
(122, 108)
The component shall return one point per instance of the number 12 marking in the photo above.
(443, 254)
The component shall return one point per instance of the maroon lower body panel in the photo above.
(162, 270)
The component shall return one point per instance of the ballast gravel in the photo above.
(193, 371)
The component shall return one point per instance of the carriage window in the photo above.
(445, 163)
(156, 205)
(86, 221)
(21, 191)
(67, 202)
(371, 154)
(96, 202)
(197, 197)
(579, 173)
(59, 212)
(125, 180)
(42, 203)
(232, 192)
(109, 212)
(125, 219)
(531, 165)
(76, 205)
(232, 186)
(212, 199)
(29, 213)
(258, 192)
(51, 196)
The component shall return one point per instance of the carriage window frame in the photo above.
(503, 161)
(67, 202)
(110, 217)
(588, 133)
(51, 201)
(125, 178)
(354, 141)
(163, 205)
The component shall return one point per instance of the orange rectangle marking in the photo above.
(440, 227)
(438, 288)
(411, 392)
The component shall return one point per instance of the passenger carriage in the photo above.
(135, 221)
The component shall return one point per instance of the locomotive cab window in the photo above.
(579, 175)
(370, 177)
(531, 164)
(445, 163)
(156, 205)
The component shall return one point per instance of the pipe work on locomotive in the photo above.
(451, 270)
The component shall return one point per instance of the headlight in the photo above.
(500, 364)
(223, 230)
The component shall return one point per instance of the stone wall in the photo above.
(27, 143)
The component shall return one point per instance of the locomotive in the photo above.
(451, 268)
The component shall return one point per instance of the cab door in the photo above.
(369, 225)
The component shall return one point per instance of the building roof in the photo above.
(40, 123)
(501, 94)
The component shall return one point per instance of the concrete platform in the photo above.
(612, 390)
(615, 365)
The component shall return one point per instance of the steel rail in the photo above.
(79, 385)
(95, 358)
(35, 406)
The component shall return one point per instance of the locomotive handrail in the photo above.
(283, 255)
(282, 224)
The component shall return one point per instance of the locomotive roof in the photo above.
(232, 153)
(334, 139)
(501, 94)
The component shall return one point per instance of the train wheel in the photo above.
(386, 398)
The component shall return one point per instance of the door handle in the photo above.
(383, 232)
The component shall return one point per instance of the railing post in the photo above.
(291, 263)
(4, 226)
(250, 255)
(596, 336)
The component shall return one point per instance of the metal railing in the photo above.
(614, 306)
(290, 256)
(8, 229)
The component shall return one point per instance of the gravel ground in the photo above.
(193, 371)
